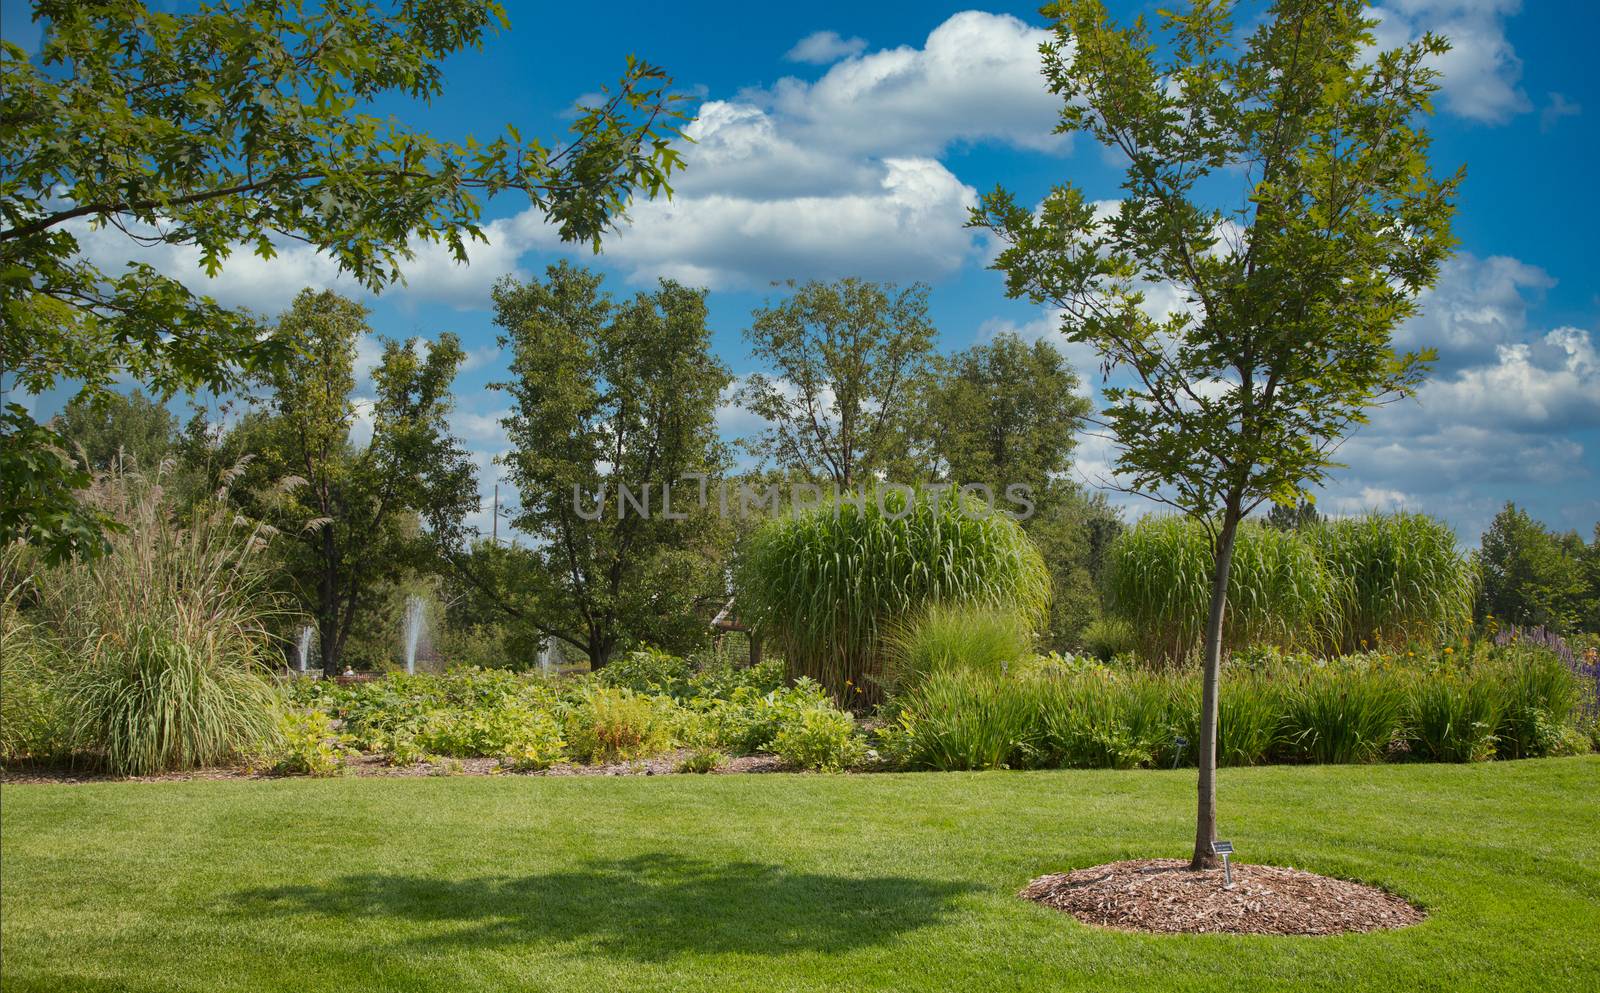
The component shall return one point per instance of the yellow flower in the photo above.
(1448, 650)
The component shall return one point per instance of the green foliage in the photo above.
(820, 739)
(1452, 717)
(1074, 531)
(536, 744)
(308, 746)
(351, 515)
(613, 725)
(115, 430)
(610, 396)
(956, 636)
(1398, 580)
(1341, 717)
(1537, 694)
(1532, 576)
(32, 718)
(827, 584)
(845, 358)
(702, 760)
(1003, 412)
(748, 721)
(649, 670)
(1158, 579)
(239, 126)
(1106, 638)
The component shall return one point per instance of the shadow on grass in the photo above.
(649, 907)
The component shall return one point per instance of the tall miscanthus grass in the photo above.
(1158, 579)
(828, 584)
(165, 638)
(1398, 579)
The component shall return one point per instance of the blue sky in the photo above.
(847, 139)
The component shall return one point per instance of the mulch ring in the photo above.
(1163, 896)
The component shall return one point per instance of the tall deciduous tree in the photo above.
(1534, 577)
(358, 512)
(1283, 187)
(844, 358)
(117, 429)
(245, 124)
(1002, 413)
(613, 420)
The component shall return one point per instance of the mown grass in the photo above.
(884, 882)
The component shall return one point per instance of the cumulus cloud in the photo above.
(823, 47)
(1477, 306)
(976, 77)
(1481, 72)
(910, 226)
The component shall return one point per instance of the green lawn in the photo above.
(777, 882)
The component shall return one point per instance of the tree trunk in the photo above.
(1205, 829)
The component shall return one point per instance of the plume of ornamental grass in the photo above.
(165, 638)
(1158, 579)
(1398, 579)
(828, 584)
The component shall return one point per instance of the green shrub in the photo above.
(1341, 717)
(748, 722)
(648, 670)
(826, 584)
(1398, 579)
(952, 636)
(702, 761)
(1537, 693)
(537, 745)
(483, 731)
(32, 717)
(617, 725)
(1158, 579)
(1452, 717)
(821, 740)
(308, 746)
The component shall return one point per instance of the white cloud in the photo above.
(823, 47)
(976, 77)
(1477, 306)
(1557, 108)
(1481, 72)
(911, 226)
(1551, 384)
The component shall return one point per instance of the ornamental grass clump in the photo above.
(829, 583)
(957, 636)
(1398, 579)
(1341, 716)
(1158, 580)
(165, 638)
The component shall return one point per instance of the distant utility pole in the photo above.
(494, 528)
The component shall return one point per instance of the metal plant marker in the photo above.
(1225, 849)
(1178, 745)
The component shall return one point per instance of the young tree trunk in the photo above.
(1205, 828)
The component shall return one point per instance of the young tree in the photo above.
(354, 512)
(844, 356)
(1284, 189)
(613, 417)
(244, 123)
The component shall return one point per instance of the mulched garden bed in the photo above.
(375, 766)
(1163, 896)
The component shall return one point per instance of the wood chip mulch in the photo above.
(1163, 896)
